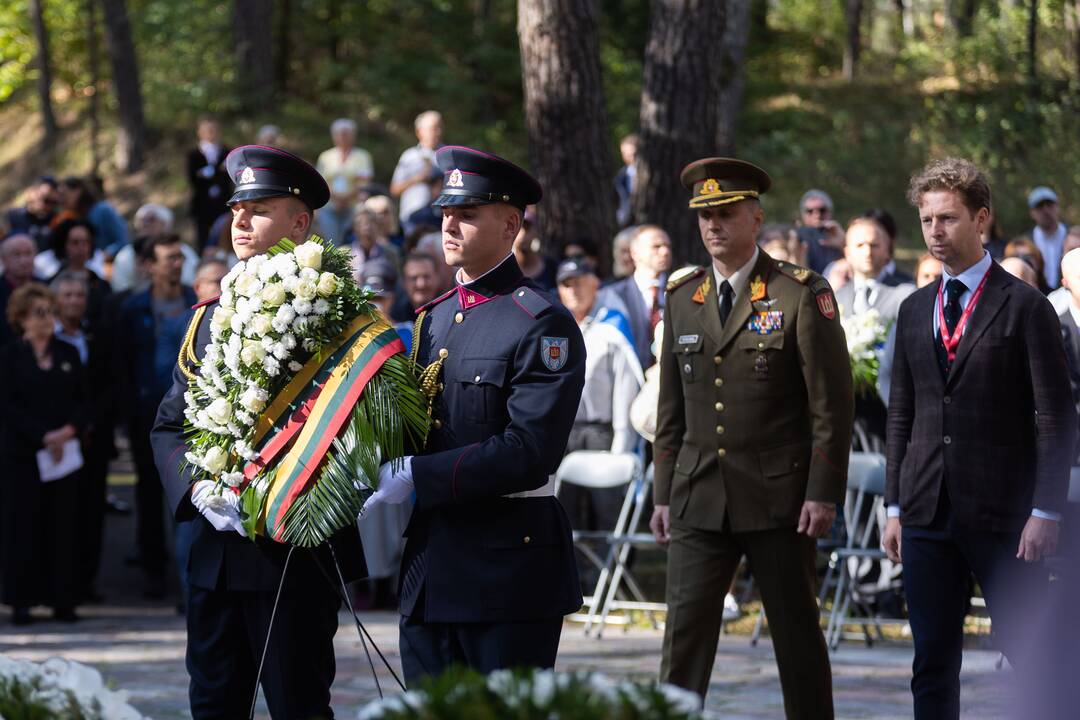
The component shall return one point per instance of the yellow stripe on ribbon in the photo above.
(285, 468)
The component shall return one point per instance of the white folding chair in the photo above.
(598, 469)
(866, 489)
(621, 545)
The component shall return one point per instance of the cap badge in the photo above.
(709, 187)
(455, 180)
(248, 176)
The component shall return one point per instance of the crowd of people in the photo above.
(97, 309)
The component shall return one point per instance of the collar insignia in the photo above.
(702, 291)
(757, 289)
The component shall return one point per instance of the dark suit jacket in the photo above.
(1070, 337)
(628, 292)
(227, 560)
(999, 430)
(206, 202)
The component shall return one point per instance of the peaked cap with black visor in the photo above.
(260, 171)
(721, 181)
(472, 177)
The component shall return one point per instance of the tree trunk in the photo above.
(567, 121)
(680, 114)
(281, 66)
(252, 30)
(962, 16)
(1033, 32)
(131, 140)
(44, 79)
(733, 74)
(93, 55)
(853, 45)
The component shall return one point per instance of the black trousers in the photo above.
(429, 649)
(92, 492)
(938, 565)
(226, 633)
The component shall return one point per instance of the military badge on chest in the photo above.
(765, 319)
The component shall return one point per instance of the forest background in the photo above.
(850, 96)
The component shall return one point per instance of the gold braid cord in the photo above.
(429, 376)
(186, 360)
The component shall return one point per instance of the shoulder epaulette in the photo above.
(683, 275)
(531, 301)
(436, 301)
(805, 276)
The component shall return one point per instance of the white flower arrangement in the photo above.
(538, 693)
(276, 313)
(866, 334)
(62, 689)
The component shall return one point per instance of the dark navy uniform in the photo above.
(232, 581)
(487, 578)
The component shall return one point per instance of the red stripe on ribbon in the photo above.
(338, 419)
(281, 440)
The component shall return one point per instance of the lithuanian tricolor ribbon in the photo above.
(306, 416)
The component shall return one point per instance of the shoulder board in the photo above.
(805, 276)
(531, 301)
(204, 303)
(437, 300)
(683, 275)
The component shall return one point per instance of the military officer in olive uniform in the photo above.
(753, 433)
(488, 571)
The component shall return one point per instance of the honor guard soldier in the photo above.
(488, 571)
(233, 581)
(753, 433)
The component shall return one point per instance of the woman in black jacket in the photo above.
(42, 397)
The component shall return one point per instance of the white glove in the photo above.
(394, 487)
(221, 508)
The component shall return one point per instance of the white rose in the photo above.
(220, 321)
(261, 324)
(247, 285)
(252, 353)
(328, 284)
(254, 399)
(214, 460)
(273, 294)
(309, 255)
(306, 290)
(220, 411)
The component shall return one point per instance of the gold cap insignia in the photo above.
(455, 180)
(709, 187)
(248, 176)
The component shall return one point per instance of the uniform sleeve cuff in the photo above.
(893, 511)
(1046, 515)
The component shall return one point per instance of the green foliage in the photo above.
(535, 695)
(31, 700)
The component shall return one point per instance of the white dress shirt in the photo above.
(613, 378)
(971, 279)
(1051, 246)
(739, 279)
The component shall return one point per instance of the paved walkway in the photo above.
(138, 645)
(141, 650)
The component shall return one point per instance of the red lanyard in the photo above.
(952, 341)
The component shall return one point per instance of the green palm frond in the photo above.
(391, 412)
